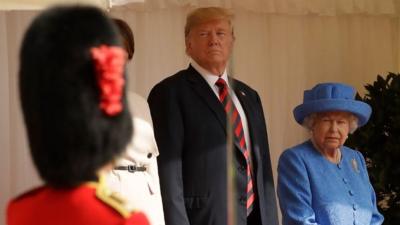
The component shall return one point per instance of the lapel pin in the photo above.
(242, 93)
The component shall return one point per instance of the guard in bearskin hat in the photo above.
(72, 85)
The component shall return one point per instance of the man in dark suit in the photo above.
(189, 112)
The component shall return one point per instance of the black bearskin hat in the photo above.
(71, 132)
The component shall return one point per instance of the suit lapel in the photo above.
(201, 87)
(246, 104)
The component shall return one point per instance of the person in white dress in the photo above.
(135, 176)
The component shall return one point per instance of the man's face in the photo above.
(210, 44)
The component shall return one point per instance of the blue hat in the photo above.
(327, 97)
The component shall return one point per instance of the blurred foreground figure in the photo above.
(73, 94)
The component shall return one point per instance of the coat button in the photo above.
(149, 155)
(351, 192)
(345, 180)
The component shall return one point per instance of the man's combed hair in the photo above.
(70, 137)
(202, 15)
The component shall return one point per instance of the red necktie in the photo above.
(230, 109)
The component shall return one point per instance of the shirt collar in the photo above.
(208, 76)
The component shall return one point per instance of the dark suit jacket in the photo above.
(190, 130)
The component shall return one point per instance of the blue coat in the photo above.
(313, 190)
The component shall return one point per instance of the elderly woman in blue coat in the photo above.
(321, 181)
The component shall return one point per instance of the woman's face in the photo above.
(330, 130)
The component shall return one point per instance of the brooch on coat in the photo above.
(355, 165)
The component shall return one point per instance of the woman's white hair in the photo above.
(309, 122)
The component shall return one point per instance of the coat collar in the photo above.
(204, 90)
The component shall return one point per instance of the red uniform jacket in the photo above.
(87, 204)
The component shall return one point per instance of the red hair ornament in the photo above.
(109, 64)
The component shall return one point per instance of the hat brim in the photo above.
(360, 109)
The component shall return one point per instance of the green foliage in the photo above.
(379, 142)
